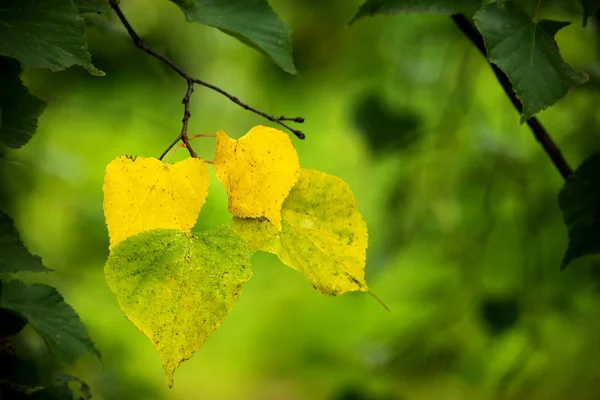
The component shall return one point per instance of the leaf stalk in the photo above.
(540, 133)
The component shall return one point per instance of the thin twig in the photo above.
(297, 119)
(202, 135)
(536, 127)
(245, 106)
(114, 4)
(186, 118)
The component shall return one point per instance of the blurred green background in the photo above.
(466, 237)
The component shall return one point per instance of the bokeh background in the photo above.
(466, 237)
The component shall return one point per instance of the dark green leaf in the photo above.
(527, 53)
(500, 312)
(579, 201)
(92, 6)
(44, 33)
(8, 391)
(46, 311)
(14, 256)
(374, 7)
(552, 27)
(19, 111)
(64, 387)
(589, 8)
(10, 323)
(385, 128)
(252, 22)
(16, 370)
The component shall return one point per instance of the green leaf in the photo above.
(252, 22)
(386, 128)
(579, 201)
(19, 110)
(527, 53)
(14, 256)
(374, 7)
(323, 234)
(53, 319)
(44, 33)
(12, 392)
(92, 6)
(177, 288)
(589, 8)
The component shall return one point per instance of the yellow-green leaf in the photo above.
(177, 288)
(323, 234)
(258, 171)
(141, 194)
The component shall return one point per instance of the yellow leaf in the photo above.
(257, 171)
(142, 194)
(323, 234)
(177, 288)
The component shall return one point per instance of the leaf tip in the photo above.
(291, 69)
(275, 218)
(93, 70)
(368, 8)
(567, 259)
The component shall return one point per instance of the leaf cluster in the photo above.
(36, 34)
(43, 309)
(176, 286)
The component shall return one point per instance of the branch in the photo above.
(186, 118)
(538, 130)
(114, 4)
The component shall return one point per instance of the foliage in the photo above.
(521, 46)
(525, 49)
(17, 257)
(527, 52)
(252, 22)
(44, 309)
(44, 34)
(177, 286)
(190, 283)
(324, 235)
(35, 34)
(20, 109)
(579, 201)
